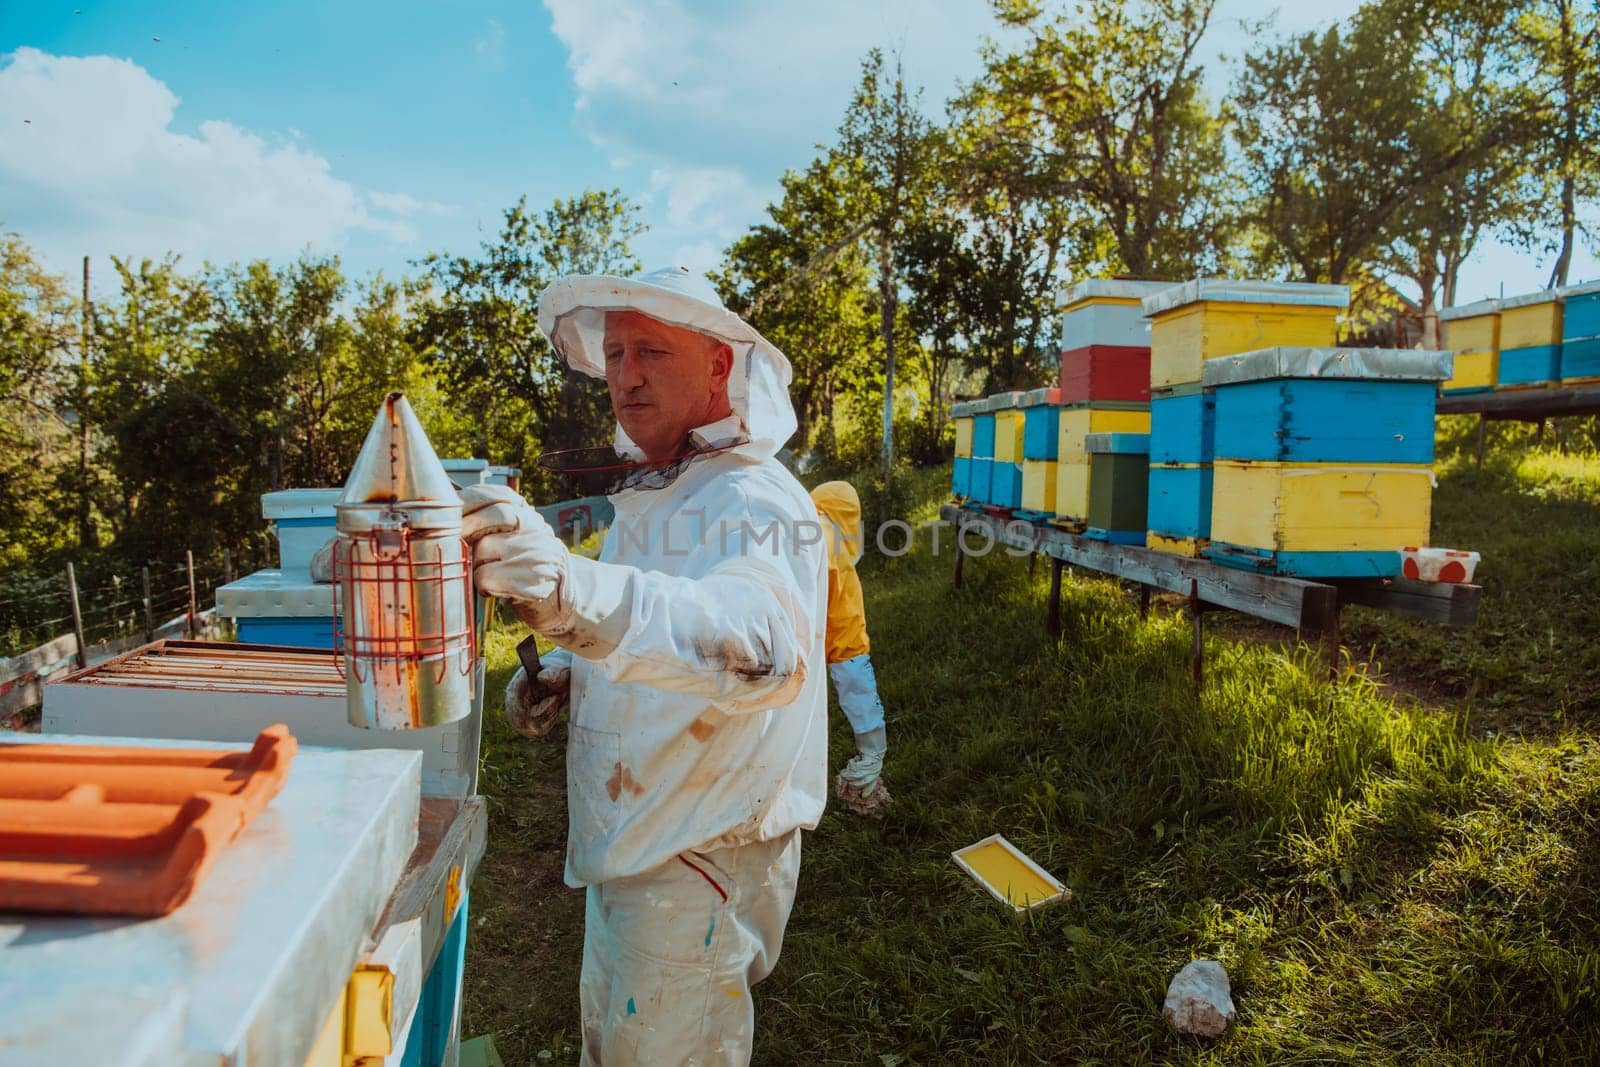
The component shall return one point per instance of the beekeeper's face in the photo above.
(664, 380)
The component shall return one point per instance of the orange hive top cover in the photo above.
(107, 829)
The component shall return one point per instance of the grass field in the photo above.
(1394, 870)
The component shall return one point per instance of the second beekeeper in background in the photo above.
(860, 785)
(692, 654)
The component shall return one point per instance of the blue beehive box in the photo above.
(1182, 425)
(1180, 501)
(1327, 405)
(983, 435)
(1530, 366)
(961, 477)
(1582, 315)
(1005, 484)
(1041, 423)
(275, 607)
(1580, 332)
(980, 478)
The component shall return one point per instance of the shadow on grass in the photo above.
(1532, 664)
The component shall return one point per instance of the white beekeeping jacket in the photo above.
(707, 726)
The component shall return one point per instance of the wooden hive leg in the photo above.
(1053, 607)
(1196, 610)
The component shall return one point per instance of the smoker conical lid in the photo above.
(397, 465)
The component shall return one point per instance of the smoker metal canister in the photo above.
(404, 582)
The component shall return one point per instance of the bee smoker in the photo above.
(406, 639)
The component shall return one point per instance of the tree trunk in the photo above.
(1569, 222)
(1428, 284)
(86, 538)
(886, 297)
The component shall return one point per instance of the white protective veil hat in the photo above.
(572, 314)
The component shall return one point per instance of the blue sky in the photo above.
(385, 131)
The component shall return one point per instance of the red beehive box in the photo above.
(1105, 372)
(107, 829)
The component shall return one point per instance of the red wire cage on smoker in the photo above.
(405, 639)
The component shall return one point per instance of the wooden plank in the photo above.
(22, 678)
(1290, 601)
(1451, 604)
(1525, 404)
(451, 836)
(60, 648)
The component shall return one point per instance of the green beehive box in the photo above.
(1119, 486)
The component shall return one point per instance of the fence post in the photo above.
(149, 619)
(77, 617)
(189, 623)
(227, 567)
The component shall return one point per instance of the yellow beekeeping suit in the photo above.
(840, 510)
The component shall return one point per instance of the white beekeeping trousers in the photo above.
(669, 955)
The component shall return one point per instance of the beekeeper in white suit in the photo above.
(693, 654)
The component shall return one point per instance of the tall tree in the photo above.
(888, 137)
(37, 330)
(1564, 39)
(149, 340)
(1340, 138)
(1469, 59)
(803, 278)
(479, 328)
(1104, 109)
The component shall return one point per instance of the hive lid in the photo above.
(1470, 311)
(1581, 289)
(125, 831)
(1035, 397)
(1110, 289)
(397, 465)
(274, 594)
(1226, 290)
(300, 503)
(997, 402)
(961, 409)
(1135, 444)
(1543, 296)
(1369, 364)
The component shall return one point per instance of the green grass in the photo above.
(1384, 880)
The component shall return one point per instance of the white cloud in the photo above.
(714, 101)
(90, 161)
(405, 204)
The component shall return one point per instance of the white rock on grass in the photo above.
(1200, 1000)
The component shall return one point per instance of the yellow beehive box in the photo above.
(1472, 327)
(1175, 546)
(964, 437)
(1211, 317)
(1078, 422)
(1530, 321)
(1072, 489)
(1039, 485)
(1008, 436)
(1321, 507)
(1473, 370)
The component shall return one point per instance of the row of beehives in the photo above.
(1533, 341)
(1217, 418)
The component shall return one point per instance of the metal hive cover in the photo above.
(1304, 294)
(397, 464)
(1367, 364)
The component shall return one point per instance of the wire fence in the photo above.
(110, 606)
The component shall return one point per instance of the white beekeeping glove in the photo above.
(532, 709)
(580, 604)
(860, 785)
